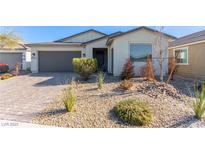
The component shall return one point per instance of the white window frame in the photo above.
(133, 42)
(187, 48)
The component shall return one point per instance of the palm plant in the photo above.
(9, 39)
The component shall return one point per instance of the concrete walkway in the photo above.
(24, 96)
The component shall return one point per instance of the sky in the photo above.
(33, 34)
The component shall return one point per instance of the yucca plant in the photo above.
(199, 103)
(69, 98)
(101, 78)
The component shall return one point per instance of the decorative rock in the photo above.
(94, 108)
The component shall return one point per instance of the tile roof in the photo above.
(192, 38)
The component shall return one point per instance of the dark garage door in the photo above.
(57, 61)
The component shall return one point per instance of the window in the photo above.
(140, 51)
(181, 55)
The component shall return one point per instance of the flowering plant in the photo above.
(2, 65)
(4, 68)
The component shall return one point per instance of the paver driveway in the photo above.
(24, 96)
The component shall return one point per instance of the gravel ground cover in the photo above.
(170, 104)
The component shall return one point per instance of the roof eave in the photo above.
(185, 44)
(38, 44)
(146, 28)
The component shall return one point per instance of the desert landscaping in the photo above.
(169, 103)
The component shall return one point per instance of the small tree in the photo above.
(161, 50)
(128, 70)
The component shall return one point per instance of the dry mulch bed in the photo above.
(170, 105)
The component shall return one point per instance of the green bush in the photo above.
(134, 112)
(69, 98)
(199, 103)
(101, 78)
(85, 66)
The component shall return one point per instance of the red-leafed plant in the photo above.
(172, 68)
(128, 70)
(147, 71)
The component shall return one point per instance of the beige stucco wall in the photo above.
(121, 47)
(84, 37)
(196, 62)
(34, 55)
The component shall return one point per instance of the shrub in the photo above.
(147, 71)
(85, 66)
(126, 84)
(134, 112)
(4, 68)
(199, 103)
(6, 76)
(171, 68)
(101, 78)
(128, 70)
(16, 70)
(69, 98)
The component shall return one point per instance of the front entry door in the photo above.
(101, 55)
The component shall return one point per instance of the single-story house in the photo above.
(20, 54)
(190, 51)
(111, 51)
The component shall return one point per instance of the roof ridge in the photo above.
(139, 28)
(60, 40)
(147, 28)
(102, 37)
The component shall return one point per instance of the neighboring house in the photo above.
(190, 51)
(20, 54)
(111, 51)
